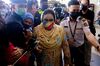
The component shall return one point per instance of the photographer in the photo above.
(89, 15)
(20, 41)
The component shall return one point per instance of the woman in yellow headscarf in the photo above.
(52, 41)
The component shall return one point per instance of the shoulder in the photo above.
(90, 12)
(63, 23)
(59, 28)
(37, 28)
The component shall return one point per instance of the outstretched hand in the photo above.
(98, 48)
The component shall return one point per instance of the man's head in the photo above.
(32, 6)
(19, 6)
(74, 9)
(85, 2)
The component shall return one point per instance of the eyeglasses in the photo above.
(49, 20)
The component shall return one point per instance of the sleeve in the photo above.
(85, 26)
(65, 48)
(61, 24)
(64, 35)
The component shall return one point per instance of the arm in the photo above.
(66, 50)
(91, 38)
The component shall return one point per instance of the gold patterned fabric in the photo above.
(51, 42)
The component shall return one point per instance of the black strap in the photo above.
(73, 34)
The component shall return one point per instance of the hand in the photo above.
(38, 48)
(28, 35)
(14, 55)
(71, 41)
(17, 53)
(98, 48)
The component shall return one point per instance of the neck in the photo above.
(72, 20)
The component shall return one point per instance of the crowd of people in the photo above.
(30, 36)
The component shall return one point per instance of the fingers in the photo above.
(39, 48)
(98, 49)
(16, 53)
(28, 34)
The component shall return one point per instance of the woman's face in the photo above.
(48, 18)
(48, 21)
(28, 22)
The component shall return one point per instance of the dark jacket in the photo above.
(13, 17)
(90, 16)
(14, 29)
(37, 19)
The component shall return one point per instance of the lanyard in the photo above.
(73, 34)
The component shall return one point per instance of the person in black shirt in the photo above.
(89, 15)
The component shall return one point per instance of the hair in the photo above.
(73, 2)
(87, 0)
(48, 11)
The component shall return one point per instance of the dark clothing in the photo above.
(14, 29)
(66, 14)
(2, 42)
(87, 53)
(77, 55)
(37, 19)
(9, 32)
(2, 22)
(58, 13)
(90, 16)
(13, 17)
